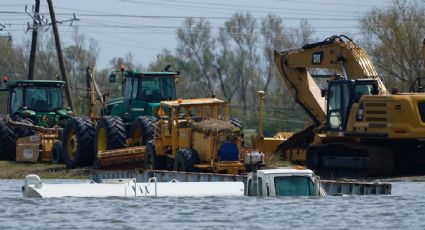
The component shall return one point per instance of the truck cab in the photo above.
(284, 182)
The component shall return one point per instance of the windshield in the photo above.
(360, 90)
(156, 89)
(293, 186)
(37, 98)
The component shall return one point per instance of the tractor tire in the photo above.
(185, 160)
(57, 153)
(110, 134)
(8, 142)
(77, 142)
(23, 131)
(142, 130)
(152, 160)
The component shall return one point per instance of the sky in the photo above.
(146, 27)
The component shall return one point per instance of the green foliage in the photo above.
(231, 66)
(393, 36)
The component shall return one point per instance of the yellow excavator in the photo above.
(359, 128)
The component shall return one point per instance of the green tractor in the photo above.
(34, 106)
(125, 120)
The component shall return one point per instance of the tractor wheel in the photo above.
(110, 134)
(142, 130)
(77, 142)
(152, 160)
(23, 131)
(57, 153)
(185, 160)
(8, 142)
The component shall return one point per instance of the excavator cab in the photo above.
(341, 95)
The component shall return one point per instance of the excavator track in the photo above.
(350, 160)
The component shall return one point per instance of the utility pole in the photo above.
(34, 41)
(60, 55)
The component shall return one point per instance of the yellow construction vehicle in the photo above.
(260, 142)
(358, 127)
(195, 135)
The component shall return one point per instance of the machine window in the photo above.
(17, 99)
(260, 187)
(43, 98)
(156, 89)
(421, 107)
(361, 90)
(293, 186)
(334, 107)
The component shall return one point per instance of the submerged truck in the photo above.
(287, 182)
(290, 181)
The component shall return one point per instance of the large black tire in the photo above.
(57, 153)
(7, 142)
(110, 134)
(77, 142)
(152, 160)
(23, 131)
(142, 130)
(185, 160)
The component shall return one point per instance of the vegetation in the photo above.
(18, 170)
(394, 40)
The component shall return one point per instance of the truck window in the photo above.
(293, 186)
(17, 99)
(43, 98)
(156, 89)
(260, 187)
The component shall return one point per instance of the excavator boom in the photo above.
(334, 53)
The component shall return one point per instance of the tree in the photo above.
(274, 38)
(12, 59)
(195, 49)
(224, 67)
(241, 29)
(393, 37)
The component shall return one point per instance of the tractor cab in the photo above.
(342, 95)
(141, 93)
(41, 101)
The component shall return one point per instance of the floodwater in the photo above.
(404, 209)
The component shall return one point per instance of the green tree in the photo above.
(241, 30)
(393, 36)
(12, 59)
(195, 49)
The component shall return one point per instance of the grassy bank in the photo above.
(18, 170)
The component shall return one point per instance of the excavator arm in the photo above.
(337, 53)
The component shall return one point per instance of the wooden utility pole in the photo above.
(60, 55)
(34, 41)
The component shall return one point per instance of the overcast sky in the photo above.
(145, 27)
